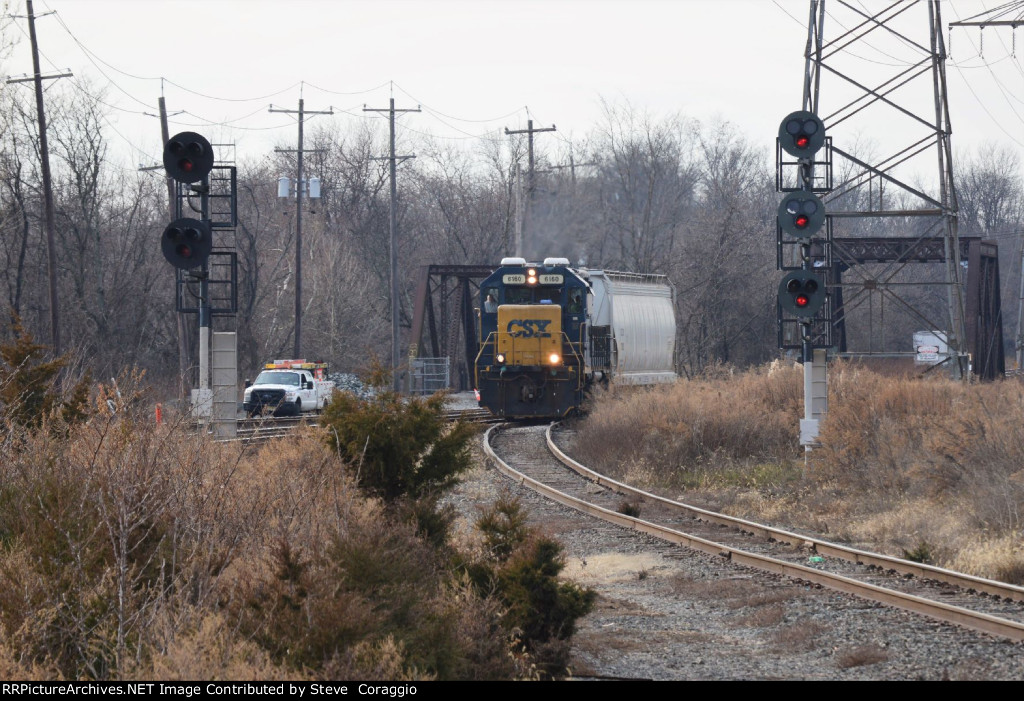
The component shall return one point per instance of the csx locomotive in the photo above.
(549, 331)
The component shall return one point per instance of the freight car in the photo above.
(548, 332)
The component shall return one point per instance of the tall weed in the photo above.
(691, 433)
(902, 460)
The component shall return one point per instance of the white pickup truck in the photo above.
(288, 387)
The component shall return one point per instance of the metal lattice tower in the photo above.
(1010, 14)
(878, 82)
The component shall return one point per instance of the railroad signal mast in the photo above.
(804, 308)
(801, 218)
(204, 199)
(186, 242)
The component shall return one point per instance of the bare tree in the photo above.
(15, 217)
(647, 186)
(725, 267)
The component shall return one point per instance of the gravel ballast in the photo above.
(667, 613)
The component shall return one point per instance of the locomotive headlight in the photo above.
(531, 277)
(554, 358)
(500, 357)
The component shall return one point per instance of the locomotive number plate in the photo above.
(514, 279)
(551, 279)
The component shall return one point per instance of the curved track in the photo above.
(984, 605)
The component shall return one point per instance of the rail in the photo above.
(935, 609)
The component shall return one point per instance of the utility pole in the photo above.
(572, 166)
(519, 210)
(393, 223)
(44, 156)
(302, 112)
(530, 174)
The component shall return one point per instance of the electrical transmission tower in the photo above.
(1011, 15)
(877, 80)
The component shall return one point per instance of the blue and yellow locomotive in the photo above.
(547, 331)
(532, 323)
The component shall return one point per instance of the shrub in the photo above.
(521, 567)
(922, 553)
(376, 603)
(629, 508)
(29, 391)
(90, 545)
(398, 447)
(129, 550)
(541, 609)
(503, 526)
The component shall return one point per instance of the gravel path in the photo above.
(667, 613)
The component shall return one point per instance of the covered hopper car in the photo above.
(549, 331)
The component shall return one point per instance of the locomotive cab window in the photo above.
(491, 300)
(518, 295)
(533, 295)
(575, 300)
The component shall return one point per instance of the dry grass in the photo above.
(735, 593)
(612, 567)
(1001, 557)
(905, 464)
(861, 656)
(135, 551)
(762, 617)
(803, 635)
(698, 432)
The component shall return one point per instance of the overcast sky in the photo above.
(474, 67)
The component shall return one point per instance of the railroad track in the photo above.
(479, 416)
(992, 607)
(265, 428)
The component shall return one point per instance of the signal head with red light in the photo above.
(801, 214)
(801, 134)
(802, 293)
(188, 157)
(186, 243)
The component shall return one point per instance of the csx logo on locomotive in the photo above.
(529, 328)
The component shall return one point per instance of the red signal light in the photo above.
(802, 221)
(187, 243)
(801, 134)
(188, 157)
(801, 294)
